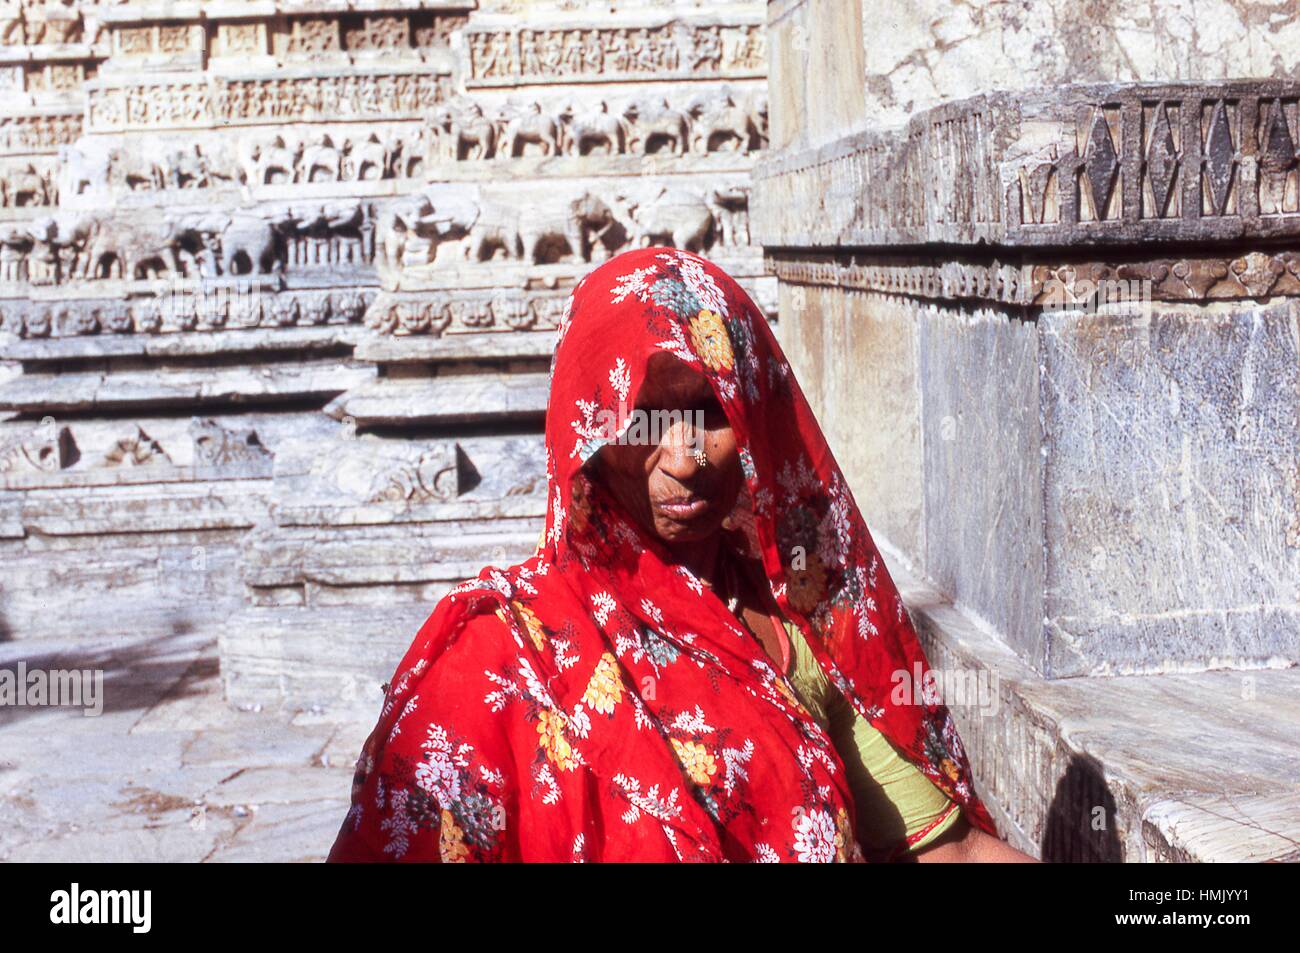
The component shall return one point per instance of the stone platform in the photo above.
(169, 771)
(1174, 768)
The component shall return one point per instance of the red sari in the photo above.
(597, 702)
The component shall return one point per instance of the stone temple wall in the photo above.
(1040, 267)
(279, 283)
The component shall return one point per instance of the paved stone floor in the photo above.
(168, 771)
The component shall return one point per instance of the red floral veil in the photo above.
(597, 701)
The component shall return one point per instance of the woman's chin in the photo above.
(677, 530)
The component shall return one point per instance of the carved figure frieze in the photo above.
(190, 305)
(438, 313)
(578, 54)
(287, 98)
(33, 134)
(259, 240)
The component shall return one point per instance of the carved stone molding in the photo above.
(216, 446)
(196, 307)
(1033, 281)
(136, 450)
(437, 313)
(47, 448)
(1117, 164)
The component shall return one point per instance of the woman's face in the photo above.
(677, 495)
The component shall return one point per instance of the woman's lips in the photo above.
(684, 509)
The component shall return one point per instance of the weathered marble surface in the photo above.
(982, 483)
(1169, 477)
(921, 53)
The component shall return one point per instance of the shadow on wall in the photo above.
(1080, 824)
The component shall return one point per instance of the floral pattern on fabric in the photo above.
(597, 702)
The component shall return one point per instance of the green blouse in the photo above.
(897, 805)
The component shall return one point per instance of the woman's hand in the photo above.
(964, 844)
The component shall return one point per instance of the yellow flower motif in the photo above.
(709, 336)
(451, 841)
(550, 728)
(579, 506)
(530, 623)
(806, 587)
(696, 761)
(949, 768)
(790, 696)
(605, 690)
(843, 835)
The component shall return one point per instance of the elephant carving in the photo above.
(495, 228)
(250, 244)
(658, 127)
(131, 249)
(587, 132)
(83, 171)
(320, 161)
(468, 136)
(23, 187)
(273, 163)
(409, 230)
(579, 227)
(368, 160)
(676, 216)
(720, 124)
(533, 128)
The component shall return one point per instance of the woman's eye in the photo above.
(712, 411)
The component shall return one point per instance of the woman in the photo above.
(699, 661)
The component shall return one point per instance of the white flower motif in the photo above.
(692, 580)
(698, 281)
(814, 840)
(620, 379)
(637, 283)
(438, 777)
(603, 604)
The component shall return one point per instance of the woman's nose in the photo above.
(679, 451)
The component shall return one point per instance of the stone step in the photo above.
(453, 399)
(187, 387)
(1198, 766)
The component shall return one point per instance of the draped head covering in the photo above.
(598, 701)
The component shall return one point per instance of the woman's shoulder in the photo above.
(436, 773)
(457, 643)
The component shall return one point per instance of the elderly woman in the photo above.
(701, 660)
